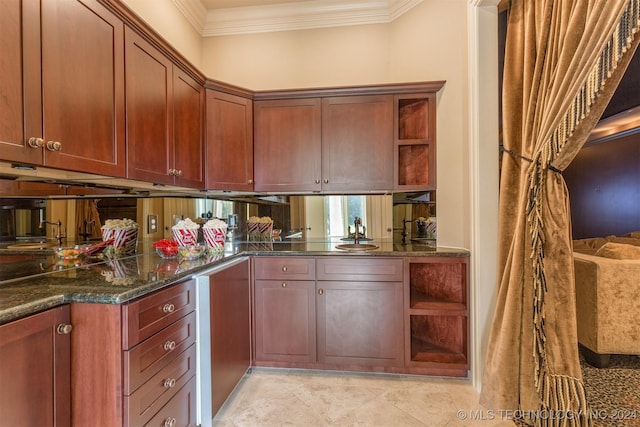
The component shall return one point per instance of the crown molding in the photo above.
(301, 15)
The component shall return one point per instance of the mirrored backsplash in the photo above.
(383, 217)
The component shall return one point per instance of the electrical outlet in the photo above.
(152, 223)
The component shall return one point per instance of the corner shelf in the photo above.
(415, 142)
(436, 312)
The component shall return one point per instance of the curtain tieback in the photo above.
(520, 156)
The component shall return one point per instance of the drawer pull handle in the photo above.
(169, 383)
(284, 284)
(170, 345)
(168, 308)
(170, 422)
(320, 291)
(284, 268)
(64, 329)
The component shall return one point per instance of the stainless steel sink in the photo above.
(357, 247)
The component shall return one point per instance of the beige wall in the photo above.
(427, 43)
(172, 25)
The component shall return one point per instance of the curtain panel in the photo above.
(563, 62)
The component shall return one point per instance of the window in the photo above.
(342, 212)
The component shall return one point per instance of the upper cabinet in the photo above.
(415, 141)
(287, 145)
(164, 118)
(229, 147)
(61, 80)
(346, 140)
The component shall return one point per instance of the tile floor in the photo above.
(274, 397)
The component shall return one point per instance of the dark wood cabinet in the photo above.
(333, 144)
(360, 320)
(357, 135)
(332, 313)
(287, 145)
(230, 330)
(135, 363)
(62, 68)
(436, 336)
(229, 147)
(35, 370)
(164, 118)
(415, 141)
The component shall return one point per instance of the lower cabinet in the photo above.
(35, 370)
(135, 364)
(362, 313)
(326, 313)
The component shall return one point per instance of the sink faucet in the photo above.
(58, 226)
(356, 237)
(404, 230)
(85, 226)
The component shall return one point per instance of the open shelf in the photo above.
(424, 351)
(436, 282)
(413, 116)
(413, 165)
(439, 338)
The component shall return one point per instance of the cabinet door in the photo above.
(35, 371)
(357, 143)
(188, 141)
(83, 87)
(20, 86)
(360, 323)
(230, 326)
(229, 142)
(287, 151)
(285, 321)
(149, 84)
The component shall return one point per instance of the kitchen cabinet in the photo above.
(230, 325)
(436, 337)
(62, 85)
(287, 145)
(329, 312)
(332, 144)
(165, 143)
(229, 147)
(415, 141)
(35, 370)
(135, 363)
(284, 310)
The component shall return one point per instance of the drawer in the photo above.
(284, 268)
(148, 315)
(180, 411)
(155, 393)
(147, 358)
(373, 269)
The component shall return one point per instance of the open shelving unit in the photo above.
(415, 141)
(436, 290)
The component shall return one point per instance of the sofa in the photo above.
(607, 271)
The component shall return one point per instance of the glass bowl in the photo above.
(167, 252)
(192, 252)
(68, 252)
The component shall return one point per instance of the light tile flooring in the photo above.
(282, 397)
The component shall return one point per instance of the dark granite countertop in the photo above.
(34, 281)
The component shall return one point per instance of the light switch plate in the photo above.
(152, 223)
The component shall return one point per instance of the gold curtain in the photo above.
(563, 61)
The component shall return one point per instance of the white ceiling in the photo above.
(231, 17)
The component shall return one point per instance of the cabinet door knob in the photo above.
(172, 172)
(320, 291)
(54, 146)
(326, 181)
(317, 181)
(284, 268)
(64, 329)
(178, 172)
(284, 284)
(170, 422)
(168, 308)
(249, 181)
(35, 142)
(170, 345)
(169, 383)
